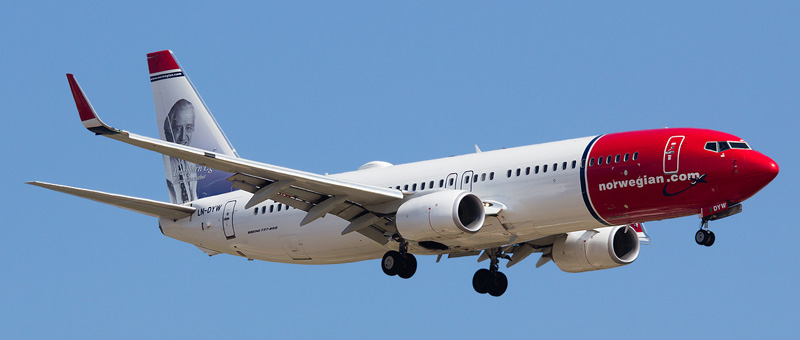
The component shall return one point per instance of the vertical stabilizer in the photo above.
(183, 118)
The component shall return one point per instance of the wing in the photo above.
(316, 194)
(140, 205)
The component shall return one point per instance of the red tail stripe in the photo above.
(161, 61)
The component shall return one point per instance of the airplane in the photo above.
(580, 203)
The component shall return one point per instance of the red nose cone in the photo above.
(761, 168)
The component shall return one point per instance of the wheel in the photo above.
(711, 239)
(481, 280)
(499, 284)
(409, 267)
(392, 263)
(701, 237)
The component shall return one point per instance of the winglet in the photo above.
(88, 116)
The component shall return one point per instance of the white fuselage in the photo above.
(534, 205)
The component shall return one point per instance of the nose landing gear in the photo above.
(704, 237)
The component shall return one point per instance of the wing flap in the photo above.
(140, 205)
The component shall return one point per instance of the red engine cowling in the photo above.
(602, 248)
(440, 215)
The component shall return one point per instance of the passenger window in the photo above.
(555, 166)
(518, 172)
(635, 155)
(466, 179)
(616, 159)
(483, 177)
(255, 212)
(474, 178)
(430, 185)
(272, 207)
(414, 187)
(441, 183)
(452, 181)
(574, 164)
(509, 173)
(627, 157)
(544, 168)
(422, 187)
(536, 169)
(491, 176)
(264, 209)
(405, 187)
(599, 160)
(398, 187)
(564, 166)
(608, 159)
(527, 171)
(279, 207)
(591, 161)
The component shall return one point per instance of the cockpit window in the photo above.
(722, 146)
(739, 145)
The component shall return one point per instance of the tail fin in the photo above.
(183, 118)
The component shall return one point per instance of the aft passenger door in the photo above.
(227, 220)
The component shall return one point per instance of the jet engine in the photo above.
(602, 248)
(440, 215)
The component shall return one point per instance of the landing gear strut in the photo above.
(704, 237)
(400, 263)
(490, 280)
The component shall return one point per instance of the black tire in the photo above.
(409, 267)
(711, 239)
(392, 263)
(499, 284)
(701, 237)
(481, 280)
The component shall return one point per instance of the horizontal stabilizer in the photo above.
(140, 205)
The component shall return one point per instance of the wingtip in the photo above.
(39, 184)
(86, 112)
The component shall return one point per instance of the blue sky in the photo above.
(326, 88)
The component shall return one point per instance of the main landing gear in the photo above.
(400, 263)
(704, 237)
(490, 280)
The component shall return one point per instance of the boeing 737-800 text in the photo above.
(579, 202)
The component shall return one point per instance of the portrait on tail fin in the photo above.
(178, 128)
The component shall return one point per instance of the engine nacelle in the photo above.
(602, 248)
(440, 215)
